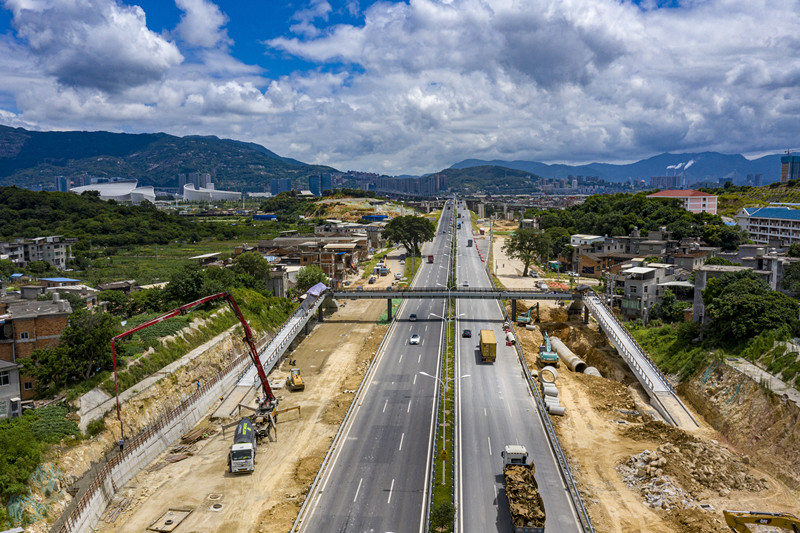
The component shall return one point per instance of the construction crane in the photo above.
(263, 418)
(738, 520)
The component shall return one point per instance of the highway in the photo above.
(495, 408)
(377, 480)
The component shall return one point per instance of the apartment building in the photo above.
(54, 250)
(770, 225)
(27, 324)
(693, 201)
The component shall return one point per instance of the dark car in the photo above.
(412, 317)
(467, 333)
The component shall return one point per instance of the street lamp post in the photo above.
(444, 384)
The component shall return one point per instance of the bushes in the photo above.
(24, 439)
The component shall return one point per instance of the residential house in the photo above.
(54, 250)
(767, 225)
(27, 324)
(9, 390)
(640, 285)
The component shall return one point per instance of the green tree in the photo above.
(791, 279)
(117, 302)
(741, 305)
(186, 285)
(794, 250)
(721, 261)
(410, 231)
(527, 245)
(84, 351)
(7, 267)
(442, 516)
(309, 276)
(252, 264)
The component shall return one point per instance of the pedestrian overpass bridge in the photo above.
(662, 395)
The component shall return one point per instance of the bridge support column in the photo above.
(513, 311)
(389, 309)
(585, 315)
(319, 315)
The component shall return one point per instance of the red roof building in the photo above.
(693, 201)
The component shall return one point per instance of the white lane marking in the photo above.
(384, 406)
(418, 360)
(490, 445)
(415, 380)
(400, 360)
(426, 328)
(484, 412)
(401, 442)
(409, 407)
(358, 489)
(390, 492)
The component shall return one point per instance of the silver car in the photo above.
(414, 339)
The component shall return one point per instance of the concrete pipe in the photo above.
(549, 400)
(530, 327)
(548, 375)
(573, 362)
(592, 371)
(557, 410)
(548, 389)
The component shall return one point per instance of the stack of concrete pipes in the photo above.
(547, 377)
(573, 362)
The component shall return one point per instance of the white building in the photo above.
(579, 239)
(121, 191)
(767, 225)
(190, 194)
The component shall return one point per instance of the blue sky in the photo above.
(410, 87)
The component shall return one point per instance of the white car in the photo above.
(466, 284)
(414, 339)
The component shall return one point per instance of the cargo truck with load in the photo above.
(242, 457)
(430, 259)
(488, 346)
(525, 504)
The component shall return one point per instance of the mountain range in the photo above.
(32, 159)
(704, 166)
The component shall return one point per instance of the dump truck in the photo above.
(242, 457)
(547, 355)
(430, 259)
(488, 346)
(524, 501)
(294, 381)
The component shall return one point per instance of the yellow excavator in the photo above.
(295, 381)
(738, 520)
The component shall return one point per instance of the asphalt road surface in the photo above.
(495, 408)
(378, 477)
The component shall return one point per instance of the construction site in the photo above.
(634, 472)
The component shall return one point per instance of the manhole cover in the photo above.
(169, 520)
(216, 507)
(214, 496)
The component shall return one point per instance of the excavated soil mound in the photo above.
(701, 468)
(751, 418)
(523, 496)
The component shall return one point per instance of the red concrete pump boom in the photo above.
(269, 397)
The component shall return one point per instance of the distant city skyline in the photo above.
(413, 87)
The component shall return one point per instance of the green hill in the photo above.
(492, 180)
(30, 159)
(731, 199)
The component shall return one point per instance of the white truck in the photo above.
(242, 457)
(524, 501)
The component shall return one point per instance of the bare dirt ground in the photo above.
(333, 360)
(636, 474)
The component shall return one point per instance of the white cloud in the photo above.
(92, 43)
(202, 23)
(418, 86)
